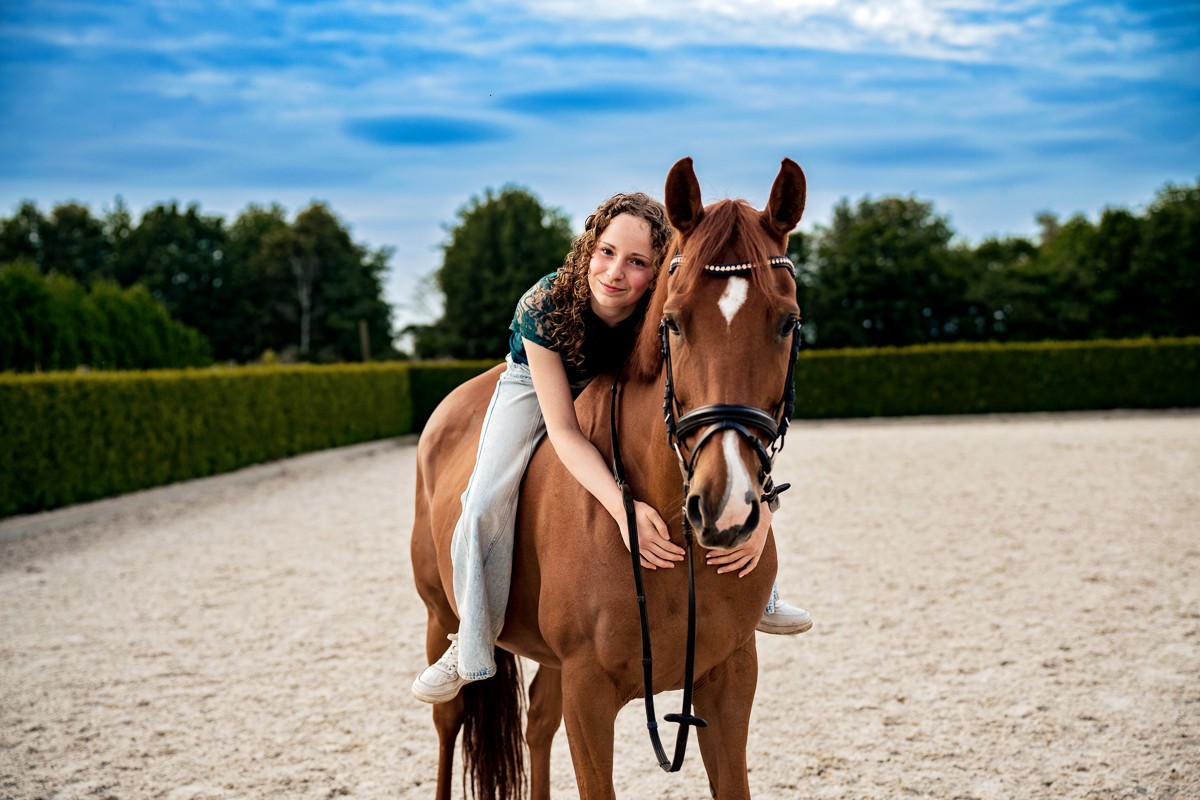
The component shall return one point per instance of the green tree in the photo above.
(293, 259)
(1165, 264)
(75, 244)
(1114, 314)
(1052, 294)
(21, 235)
(52, 322)
(363, 311)
(139, 334)
(260, 287)
(118, 225)
(348, 286)
(884, 273)
(501, 245)
(799, 250)
(25, 308)
(263, 284)
(998, 287)
(322, 287)
(179, 257)
(70, 241)
(1076, 284)
(73, 324)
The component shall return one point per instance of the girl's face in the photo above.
(620, 269)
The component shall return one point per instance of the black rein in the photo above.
(685, 718)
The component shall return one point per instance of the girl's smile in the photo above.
(621, 268)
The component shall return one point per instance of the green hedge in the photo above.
(433, 380)
(68, 438)
(991, 378)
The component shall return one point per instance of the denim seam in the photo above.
(477, 676)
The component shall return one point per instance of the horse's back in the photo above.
(446, 454)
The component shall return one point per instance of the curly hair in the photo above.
(570, 293)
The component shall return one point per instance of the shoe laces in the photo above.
(448, 663)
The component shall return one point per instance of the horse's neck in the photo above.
(650, 463)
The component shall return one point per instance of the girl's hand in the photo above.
(654, 540)
(745, 556)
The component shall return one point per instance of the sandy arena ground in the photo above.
(1006, 607)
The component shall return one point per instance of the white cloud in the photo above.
(955, 29)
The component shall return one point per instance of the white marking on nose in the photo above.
(736, 508)
(734, 297)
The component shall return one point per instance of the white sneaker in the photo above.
(440, 681)
(786, 620)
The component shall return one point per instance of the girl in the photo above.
(571, 326)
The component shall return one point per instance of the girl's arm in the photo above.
(585, 462)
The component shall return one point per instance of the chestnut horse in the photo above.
(729, 317)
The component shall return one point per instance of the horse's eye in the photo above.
(671, 324)
(787, 324)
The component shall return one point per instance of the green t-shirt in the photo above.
(604, 347)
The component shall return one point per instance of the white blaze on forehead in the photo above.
(734, 298)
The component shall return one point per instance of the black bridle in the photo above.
(737, 417)
(742, 419)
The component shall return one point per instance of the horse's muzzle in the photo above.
(720, 528)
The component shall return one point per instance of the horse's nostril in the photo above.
(695, 511)
(752, 519)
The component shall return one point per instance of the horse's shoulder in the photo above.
(591, 409)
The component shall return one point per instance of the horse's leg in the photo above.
(590, 706)
(447, 717)
(724, 700)
(545, 715)
(709, 752)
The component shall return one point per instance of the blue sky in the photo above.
(397, 113)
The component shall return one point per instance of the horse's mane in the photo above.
(727, 226)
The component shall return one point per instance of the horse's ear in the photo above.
(684, 208)
(788, 195)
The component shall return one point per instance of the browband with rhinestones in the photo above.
(724, 269)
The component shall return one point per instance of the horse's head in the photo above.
(728, 336)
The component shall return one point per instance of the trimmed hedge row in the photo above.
(991, 378)
(433, 380)
(68, 438)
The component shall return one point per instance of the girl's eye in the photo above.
(606, 251)
(637, 262)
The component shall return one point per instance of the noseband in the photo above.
(720, 416)
(741, 419)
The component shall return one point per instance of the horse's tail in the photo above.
(493, 743)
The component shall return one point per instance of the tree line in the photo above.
(884, 272)
(891, 272)
(300, 288)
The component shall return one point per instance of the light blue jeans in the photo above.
(482, 547)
